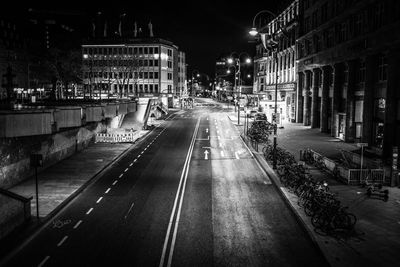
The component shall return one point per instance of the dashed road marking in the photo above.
(108, 190)
(77, 224)
(134, 160)
(145, 149)
(116, 181)
(222, 153)
(98, 201)
(141, 152)
(44, 261)
(62, 241)
(89, 211)
(120, 175)
(139, 156)
(126, 169)
(130, 165)
(236, 155)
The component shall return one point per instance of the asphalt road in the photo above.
(190, 194)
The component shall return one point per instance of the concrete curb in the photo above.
(34, 230)
(276, 182)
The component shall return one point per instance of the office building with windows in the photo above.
(132, 67)
(270, 69)
(348, 70)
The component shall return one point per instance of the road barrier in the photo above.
(117, 138)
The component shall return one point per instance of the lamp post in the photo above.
(270, 44)
(236, 61)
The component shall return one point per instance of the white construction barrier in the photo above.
(117, 138)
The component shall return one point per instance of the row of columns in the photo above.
(327, 93)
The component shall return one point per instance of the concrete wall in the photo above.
(25, 124)
(93, 113)
(15, 152)
(110, 110)
(14, 211)
(68, 117)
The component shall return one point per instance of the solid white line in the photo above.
(171, 220)
(89, 211)
(44, 261)
(62, 241)
(126, 169)
(116, 181)
(120, 175)
(108, 190)
(77, 224)
(98, 201)
(236, 155)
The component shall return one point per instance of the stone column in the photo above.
(337, 88)
(314, 99)
(306, 95)
(368, 105)
(391, 135)
(326, 76)
(299, 97)
(350, 107)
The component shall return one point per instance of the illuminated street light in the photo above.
(253, 31)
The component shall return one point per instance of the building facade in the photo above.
(132, 67)
(348, 69)
(278, 67)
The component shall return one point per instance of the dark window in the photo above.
(382, 68)
(146, 50)
(156, 62)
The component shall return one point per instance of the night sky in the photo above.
(202, 29)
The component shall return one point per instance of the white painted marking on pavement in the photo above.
(139, 156)
(222, 153)
(120, 175)
(98, 201)
(62, 241)
(134, 160)
(126, 169)
(145, 149)
(141, 152)
(236, 155)
(116, 181)
(89, 211)
(108, 190)
(130, 208)
(130, 165)
(44, 261)
(77, 224)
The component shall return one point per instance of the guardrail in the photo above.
(117, 138)
(358, 176)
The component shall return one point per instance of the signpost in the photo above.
(37, 161)
(362, 145)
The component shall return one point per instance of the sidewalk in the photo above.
(378, 222)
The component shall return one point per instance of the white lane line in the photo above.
(236, 155)
(182, 183)
(44, 261)
(116, 181)
(108, 190)
(98, 201)
(77, 224)
(126, 169)
(89, 211)
(222, 153)
(130, 208)
(62, 241)
(134, 160)
(120, 175)
(130, 165)
(145, 149)
(141, 152)
(139, 156)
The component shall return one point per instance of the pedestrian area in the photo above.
(376, 241)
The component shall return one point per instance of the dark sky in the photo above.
(202, 29)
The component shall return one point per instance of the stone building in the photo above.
(348, 70)
(270, 69)
(132, 67)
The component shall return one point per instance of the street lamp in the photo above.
(270, 45)
(237, 62)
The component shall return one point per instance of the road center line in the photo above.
(89, 211)
(179, 195)
(44, 261)
(126, 169)
(120, 175)
(98, 201)
(116, 181)
(134, 160)
(62, 241)
(108, 190)
(77, 224)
